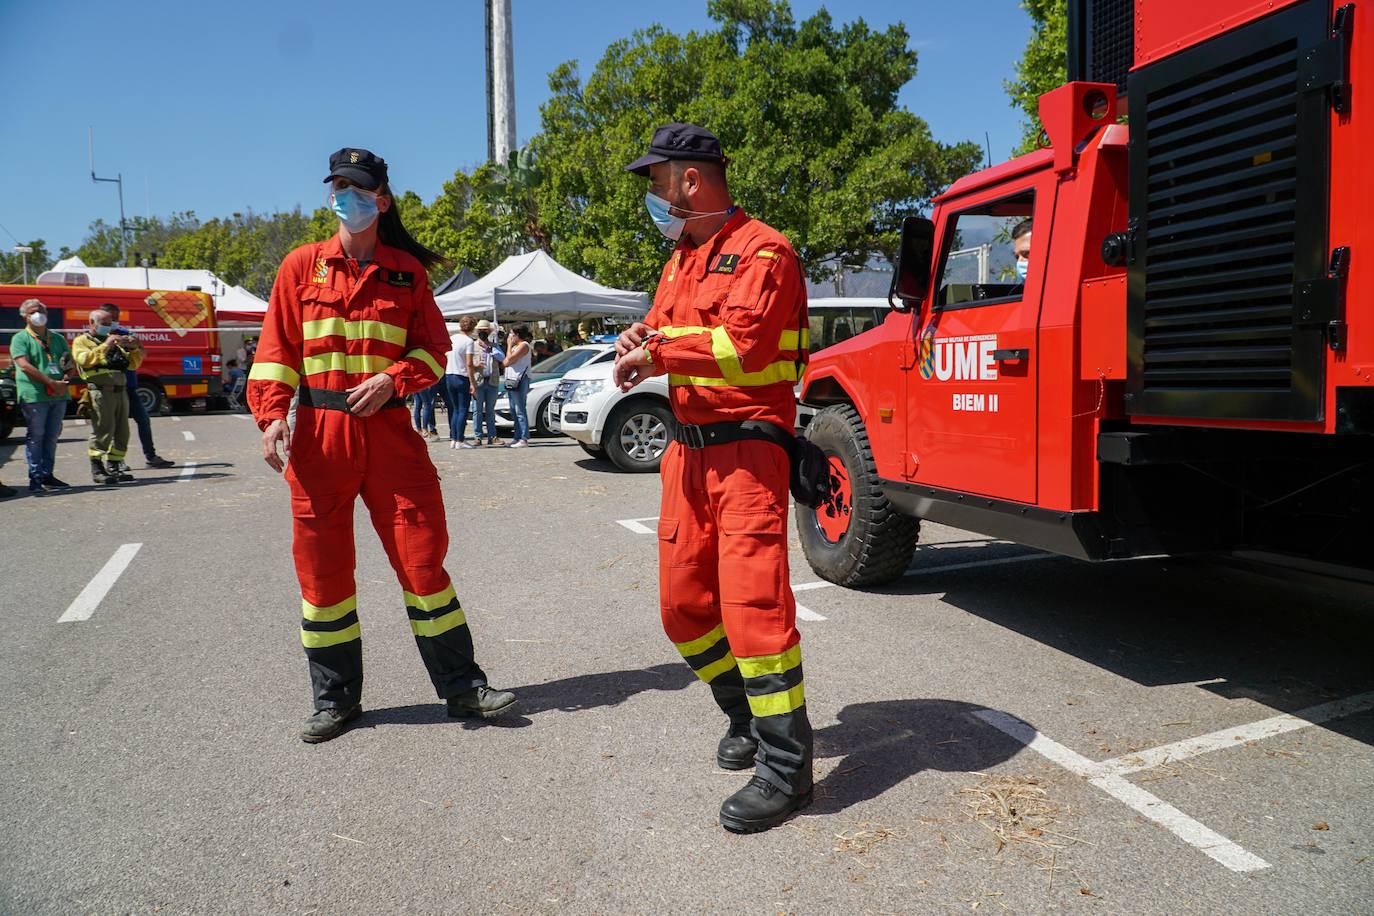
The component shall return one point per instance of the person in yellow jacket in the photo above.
(104, 353)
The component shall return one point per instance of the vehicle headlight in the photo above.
(584, 390)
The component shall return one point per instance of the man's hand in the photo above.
(632, 368)
(276, 435)
(630, 338)
(368, 398)
(59, 388)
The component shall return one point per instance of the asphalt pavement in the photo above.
(1000, 731)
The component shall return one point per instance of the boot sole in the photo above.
(512, 706)
(343, 726)
(730, 763)
(738, 825)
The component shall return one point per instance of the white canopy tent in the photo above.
(534, 286)
(232, 303)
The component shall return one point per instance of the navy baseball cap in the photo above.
(362, 167)
(679, 141)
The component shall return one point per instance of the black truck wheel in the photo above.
(855, 537)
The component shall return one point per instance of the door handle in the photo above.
(1003, 356)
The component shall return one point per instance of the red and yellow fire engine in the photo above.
(1187, 365)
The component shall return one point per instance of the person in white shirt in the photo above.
(519, 355)
(456, 385)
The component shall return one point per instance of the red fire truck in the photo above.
(177, 327)
(1187, 365)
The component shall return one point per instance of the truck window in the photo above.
(980, 261)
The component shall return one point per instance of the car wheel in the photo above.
(637, 435)
(543, 417)
(595, 451)
(855, 536)
(151, 397)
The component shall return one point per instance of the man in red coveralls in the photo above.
(352, 329)
(729, 327)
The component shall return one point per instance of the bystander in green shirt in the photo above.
(46, 354)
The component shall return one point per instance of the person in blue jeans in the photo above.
(486, 383)
(139, 414)
(457, 387)
(422, 412)
(43, 366)
(519, 355)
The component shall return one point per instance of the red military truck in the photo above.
(1188, 366)
(176, 326)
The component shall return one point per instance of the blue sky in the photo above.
(224, 107)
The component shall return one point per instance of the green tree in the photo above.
(1043, 66)
(807, 111)
(12, 263)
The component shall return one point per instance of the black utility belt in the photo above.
(693, 436)
(320, 399)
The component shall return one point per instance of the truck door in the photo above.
(972, 400)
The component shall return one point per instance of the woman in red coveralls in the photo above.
(352, 328)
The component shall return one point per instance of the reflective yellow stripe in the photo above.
(701, 643)
(274, 372)
(339, 362)
(317, 639)
(353, 330)
(718, 667)
(430, 602)
(784, 371)
(684, 331)
(759, 665)
(778, 704)
(326, 614)
(723, 349)
(765, 253)
(795, 340)
(424, 357)
(442, 624)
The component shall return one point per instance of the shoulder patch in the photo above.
(321, 274)
(725, 264)
(767, 253)
(403, 278)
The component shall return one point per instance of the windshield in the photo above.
(565, 361)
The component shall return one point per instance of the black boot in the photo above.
(328, 723)
(120, 470)
(482, 701)
(100, 474)
(737, 749)
(156, 461)
(759, 806)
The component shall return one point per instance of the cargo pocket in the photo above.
(667, 555)
(753, 557)
(421, 530)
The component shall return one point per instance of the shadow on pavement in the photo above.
(573, 694)
(886, 742)
(1166, 622)
(598, 465)
(171, 476)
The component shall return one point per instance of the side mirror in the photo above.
(911, 273)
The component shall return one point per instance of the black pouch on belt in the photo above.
(810, 469)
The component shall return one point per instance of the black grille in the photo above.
(1111, 40)
(1228, 200)
(1222, 193)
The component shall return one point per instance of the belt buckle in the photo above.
(690, 435)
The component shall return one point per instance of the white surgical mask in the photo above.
(38, 319)
(672, 226)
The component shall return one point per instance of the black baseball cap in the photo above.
(679, 141)
(362, 167)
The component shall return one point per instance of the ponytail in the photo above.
(390, 231)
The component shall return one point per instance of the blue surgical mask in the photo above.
(1021, 267)
(354, 209)
(672, 226)
(102, 330)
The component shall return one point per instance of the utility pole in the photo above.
(24, 251)
(119, 182)
(500, 82)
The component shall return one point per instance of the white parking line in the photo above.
(931, 570)
(633, 524)
(1231, 737)
(188, 435)
(1191, 831)
(96, 590)
(242, 416)
(176, 419)
(805, 613)
(187, 470)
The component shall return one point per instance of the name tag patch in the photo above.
(725, 264)
(403, 278)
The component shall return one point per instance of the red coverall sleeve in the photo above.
(277, 364)
(428, 340)
(761, 305)
(658, 314)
